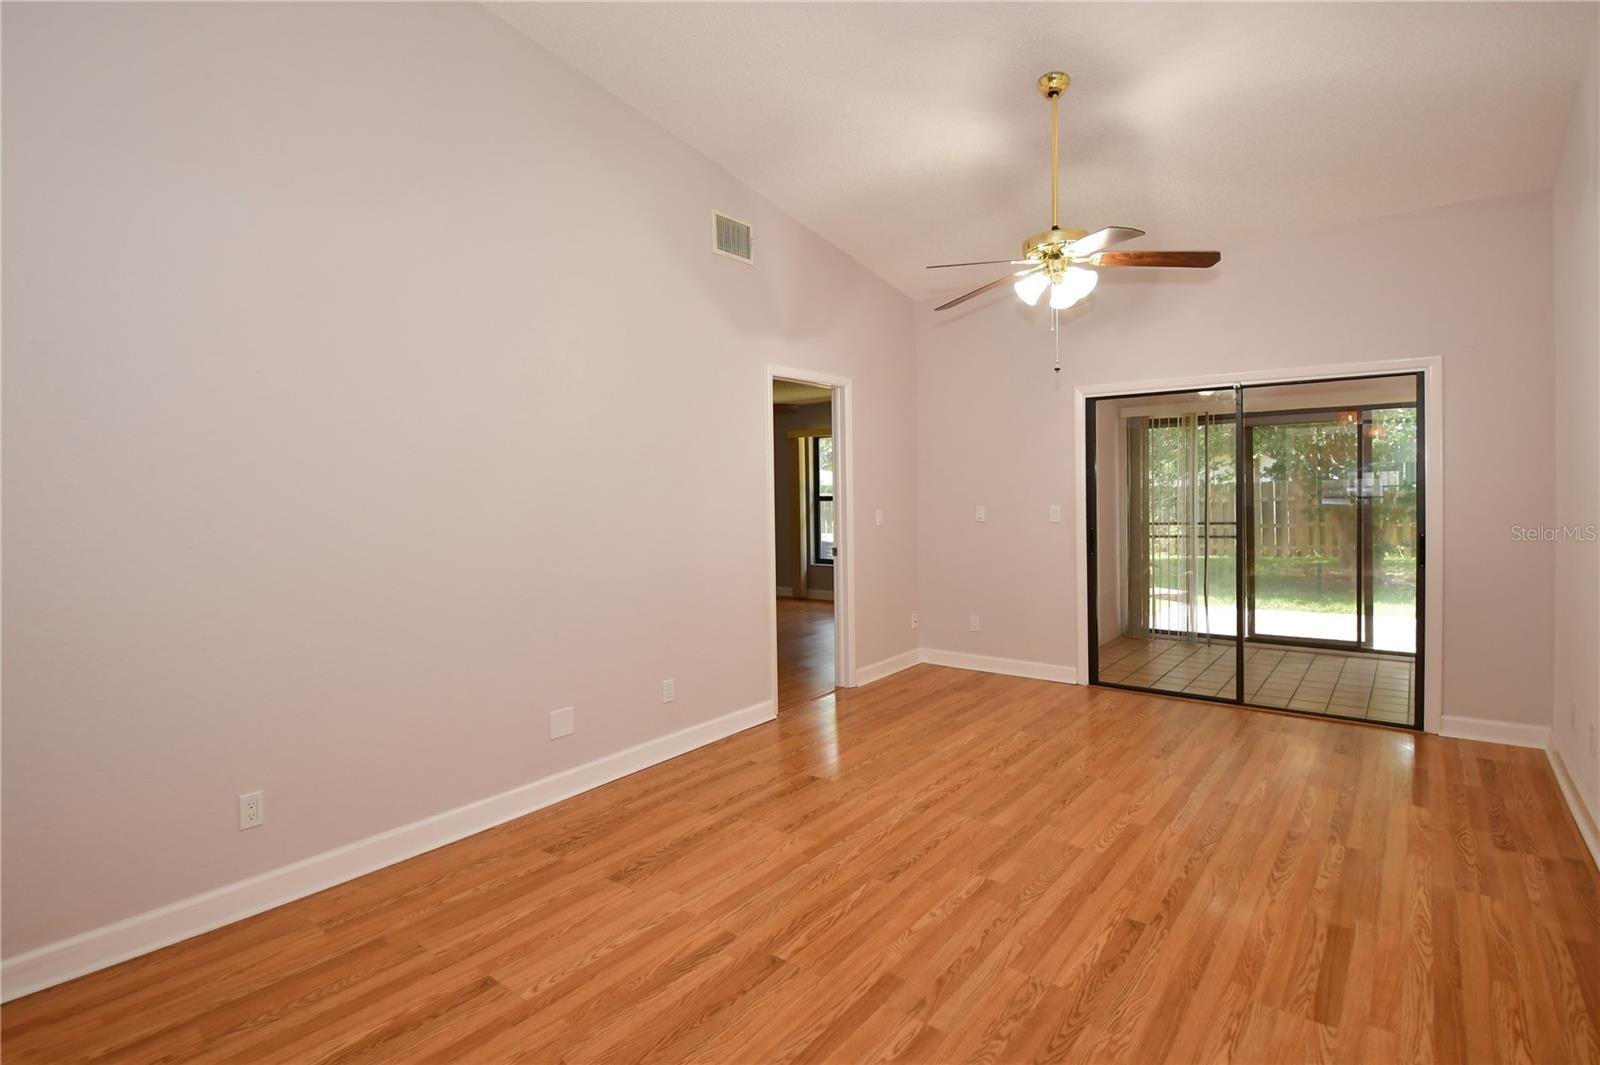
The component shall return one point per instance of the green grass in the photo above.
(1315, 585)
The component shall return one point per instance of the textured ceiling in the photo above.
(912, 133)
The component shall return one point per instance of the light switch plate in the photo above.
(563, 722)
(980, 511)
(1055, 515)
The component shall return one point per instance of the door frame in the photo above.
(1430, 606)
(844, 569)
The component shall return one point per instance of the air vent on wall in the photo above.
(732, 238)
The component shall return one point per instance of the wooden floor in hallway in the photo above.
(944, 866)
(805, 650)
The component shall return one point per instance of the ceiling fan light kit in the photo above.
(1074, 285)
(1031, 287)
(1067, 261)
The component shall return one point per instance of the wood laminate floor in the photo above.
(805, 650)
(941, 867)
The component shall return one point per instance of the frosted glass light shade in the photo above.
(1075, 284)
(1083, 281)
(1029, 288)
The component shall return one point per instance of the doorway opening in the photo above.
(1262, 544)
(806, 540)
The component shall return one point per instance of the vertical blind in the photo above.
(1180, 524)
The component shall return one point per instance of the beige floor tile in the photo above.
(1378, 688)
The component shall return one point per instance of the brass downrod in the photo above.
(1055, 160)
(1053, 85)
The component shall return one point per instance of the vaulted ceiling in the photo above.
(910, 134)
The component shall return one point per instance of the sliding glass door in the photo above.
(1304, 575)
(1331, 538)
(1168, 612)
(1394, 521)
(1261, 544)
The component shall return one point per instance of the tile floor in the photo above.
(1371, 687)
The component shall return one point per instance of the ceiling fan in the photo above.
(1064, 260)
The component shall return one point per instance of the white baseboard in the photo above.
(1507, 732)
(1011, 667)
(785, 593)
(887, 667)
(1588, 827)
(97, 948)
(820, 593)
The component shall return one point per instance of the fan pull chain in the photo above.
(1055, 327)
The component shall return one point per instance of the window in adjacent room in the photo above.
(821, 469)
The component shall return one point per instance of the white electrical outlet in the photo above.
(1055, 515)
(877, 516)
(252, 810)
(972, 623)
(914, 621)
(666, 691)
(563, 722)
(980, 511)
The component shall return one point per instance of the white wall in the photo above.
(1576, 225)
(347, 350)
(995, 426)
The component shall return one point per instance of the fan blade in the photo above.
(985, 262)
(1196, 259)
(996, 283)
(1101, 238)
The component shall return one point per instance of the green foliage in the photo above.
(1311, 471)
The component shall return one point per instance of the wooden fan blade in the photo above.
(1101, 238)
(985, 262)
(1195, 259)
(996, 283)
